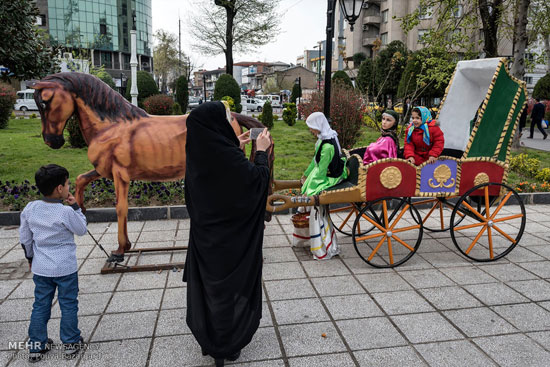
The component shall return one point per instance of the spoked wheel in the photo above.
(342, 218)
(395, 236)
(491, 230)
(436, 213)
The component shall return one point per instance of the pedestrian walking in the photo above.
(537, 114)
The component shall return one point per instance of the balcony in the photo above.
(369, 41)
(372, 19)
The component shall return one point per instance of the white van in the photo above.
(252, 104)
(25, 100)
(275, 99)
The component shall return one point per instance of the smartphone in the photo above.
(255, 131)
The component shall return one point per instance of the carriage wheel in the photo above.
(491, 230)
(396, 233)
(342, 218)
(436, 213)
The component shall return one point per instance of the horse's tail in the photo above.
(247, 121)
(250, 122)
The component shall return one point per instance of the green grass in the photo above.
(23, 151)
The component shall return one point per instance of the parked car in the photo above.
(25, 100)
(252, 104)
(275, 99)
(194, 102)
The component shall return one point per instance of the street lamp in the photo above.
(298, 81)
(204, 85)
(319, 66)
(351, 10)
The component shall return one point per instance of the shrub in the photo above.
(543, 175)
(289, 113)
(176, 109)
(227, 86)
(231, 103)
(296, 93)
(542, 88)
(341, 77)
(105, 77)
(7, 100)
(146, 87)
(275, 117)
(33, 115)
(159, 104)
(346, 115)
(12, 116)
(76, 140)
(267, 115)
(182, 92)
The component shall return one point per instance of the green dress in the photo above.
(316, 173)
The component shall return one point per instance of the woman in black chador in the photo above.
(226, 197)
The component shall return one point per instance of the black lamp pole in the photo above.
(328, 54)
(204, 85)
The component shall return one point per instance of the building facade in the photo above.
(379, 22)
(99, 30)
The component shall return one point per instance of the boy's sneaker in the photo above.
(72, 349)
(37, 356)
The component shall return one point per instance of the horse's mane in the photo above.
(101, 98)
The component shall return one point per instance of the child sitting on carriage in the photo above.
(425, 140)
(387, 144)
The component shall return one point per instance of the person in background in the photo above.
(47, 235)
(537, 114)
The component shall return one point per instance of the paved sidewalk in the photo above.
(438, 309)
(537, 142)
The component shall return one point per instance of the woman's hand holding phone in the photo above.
(263, 141)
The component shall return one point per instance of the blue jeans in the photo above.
(67, 293)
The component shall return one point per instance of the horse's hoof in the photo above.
(115, 258)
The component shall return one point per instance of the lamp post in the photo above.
(299, 82)
(351, 10)
(319, 66)
(204, 85)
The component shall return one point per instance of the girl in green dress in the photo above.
(327, 169)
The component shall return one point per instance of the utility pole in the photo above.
(179, 43)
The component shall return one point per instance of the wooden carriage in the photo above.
(386, 205)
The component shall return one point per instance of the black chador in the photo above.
(225, 196)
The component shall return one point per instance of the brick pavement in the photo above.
(438, 309)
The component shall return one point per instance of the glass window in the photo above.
(457, 11)
(425, 13)
(421, 34)
(384, 38)
(528, 79)
(29, 95)
(385, 16)
(20, 95)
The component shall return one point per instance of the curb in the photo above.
(96, 215)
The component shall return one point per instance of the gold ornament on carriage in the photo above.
(441, 175)
(481, 178)
(390, 177)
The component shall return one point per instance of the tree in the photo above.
(542, 88)
(358, 58)
(520, 38)
(24, 50)
(103, 75)
(166, 58)
(539, 15)
(341, 77)
(227, 86)
(389, 66)
(146, 87)
(233, 25)
(296, 93)
(458, 22)
(365, 78)
(182, 92)
(267, 115)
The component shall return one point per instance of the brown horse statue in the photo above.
(124, 142)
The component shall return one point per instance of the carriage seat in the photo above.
(352, 166)
(455, 153)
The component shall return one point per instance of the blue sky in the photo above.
(303, 23)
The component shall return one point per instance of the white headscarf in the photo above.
(318, 121)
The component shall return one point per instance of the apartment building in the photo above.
(378, 23)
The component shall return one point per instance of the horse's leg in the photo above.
(81, 182)
(122, 183)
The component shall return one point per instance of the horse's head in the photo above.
(56, 106)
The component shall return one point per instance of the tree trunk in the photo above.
(230, 11)
(547, 50)
(520, 44)
(490, 18)
(520, 41)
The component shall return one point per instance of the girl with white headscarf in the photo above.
(326, 169)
